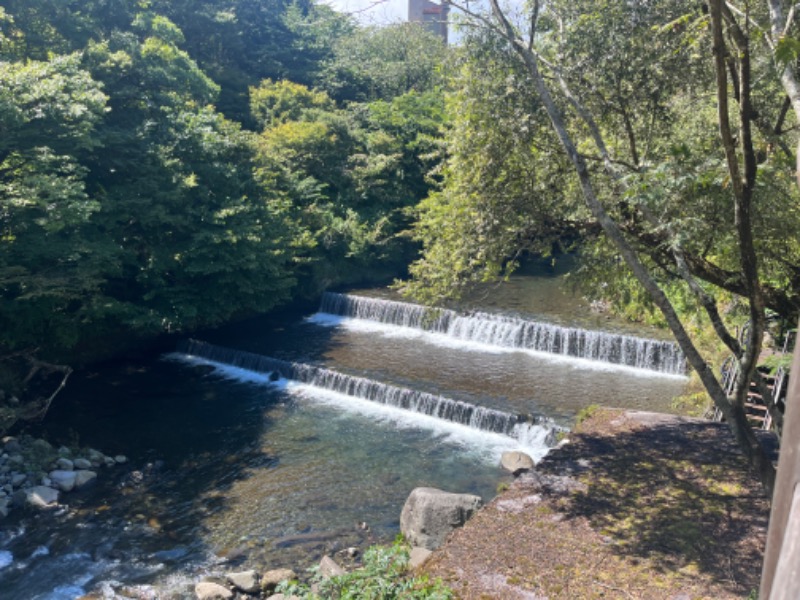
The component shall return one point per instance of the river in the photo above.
(247, 466)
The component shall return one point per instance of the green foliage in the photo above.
(775, 362)
(586, 413)
(383, 576)
(351, 174)
(501, 193)
(130, 205)
(384, 62)
(273, 103)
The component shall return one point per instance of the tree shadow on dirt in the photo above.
(676, 492)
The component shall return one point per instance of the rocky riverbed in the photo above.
(35, 474)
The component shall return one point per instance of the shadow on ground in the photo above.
(637, 505)
(674, 491)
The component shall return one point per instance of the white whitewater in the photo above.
(512, 332)
(527, 429)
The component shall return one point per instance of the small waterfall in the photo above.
(511, 332)
(528, 429)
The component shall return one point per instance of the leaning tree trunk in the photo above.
(732, 411)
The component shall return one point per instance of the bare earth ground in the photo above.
(637, 506)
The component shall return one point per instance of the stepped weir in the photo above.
(513, 332)
(527, 429)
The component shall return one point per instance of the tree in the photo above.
(590, 64)
(49, 113)
(351, 174)
(374, 63)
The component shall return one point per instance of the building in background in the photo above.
(433, 15)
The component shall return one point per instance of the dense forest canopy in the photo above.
(166, 166)
(171, 165)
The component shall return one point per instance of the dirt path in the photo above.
(636, 506)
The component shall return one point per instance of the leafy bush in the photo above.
(383, 576)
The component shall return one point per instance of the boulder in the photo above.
(43, 446)
(247, 581)
(208, 590)
(38, 497)
(95, 455)
(11, 445)
(65, 464)
(329, 568)
(82, 463)
(418, 556)
(271, 579)
(120, 459)
(4, 507)
(63, 480)
(84, 479)
(516, 462)
(17, 479)
(429, 515)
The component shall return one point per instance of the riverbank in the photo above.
(636, 505)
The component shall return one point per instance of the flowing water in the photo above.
(287, 438)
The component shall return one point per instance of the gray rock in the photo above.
(418, 556)
(208, 590)
(64, 480)
(82, 463)
(271, 579)
(516, 462)
(46, 481)
(109, 462)
(64, 451)
(40, 497)
(429, 515)
(65, 464)
(95, 455)
(329, 568)
(17, 479)
(43, 446)
(16, 459)
(84, 478)
(120, 459)
(4, 507)
(283, 597)
(12, 445)
(247, 581)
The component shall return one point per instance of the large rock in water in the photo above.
(430, 514)
(63, 480)
(516, 462)
(41, 496)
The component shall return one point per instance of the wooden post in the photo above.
(780, 578)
